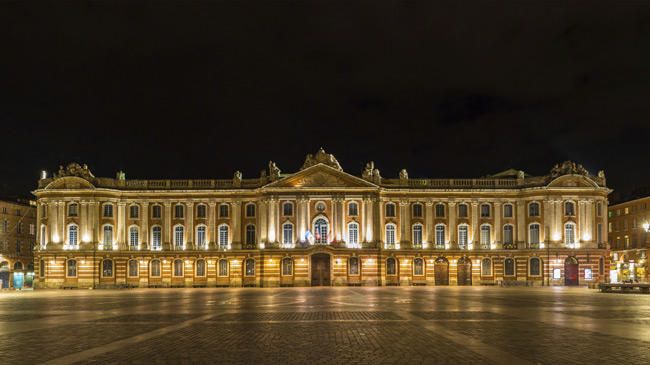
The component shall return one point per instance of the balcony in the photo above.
(510, 246)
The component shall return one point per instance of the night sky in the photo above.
(184, 89)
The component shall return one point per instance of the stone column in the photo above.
(521, 223)
(498, 227)
(452, 229)
(334, 229)
(474, 225)
(84, 230)
(189, 226)
(235, 224)
(547, 227)
(212, 222)
(262, 220)
(378, 224)
(144, 229)
(94, 221)
(167, 226)
(122, 244)
(39, 209)
(341, 216)
(405, 220)
(429, 234)
(61, 221)
(369, 236)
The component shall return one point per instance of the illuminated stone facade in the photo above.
(17, 237)
(322, 226)
(629, 239)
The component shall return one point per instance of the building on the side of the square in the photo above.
(629, 239)
(322, 226)
(17, 239)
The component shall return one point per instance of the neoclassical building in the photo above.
(322, 226)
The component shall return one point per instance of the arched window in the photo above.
(353, 233)
(440, 210)
(287, 233)
(179, 211)
(391, 266)
(133, 268)
(223, 236)
(418, 266)
(250, 234)
(18, 265)
(390, 234)
(507, 211)
(440, 235)
(390, 209)
(73, 210)
(462, 236)
(223, 268)
(155, 268)
(486, 267)
(509, 267)
(353, 266)
(223, 211)
(508, 236)
(417, 210)
(287, 209)
(462, 210)
(485, 235)
(107, 268)
(570, 234)
(535, 266)
(321, 229)
(134, 212)
(201, 211)
(533, 209)
(287, 266)
(485, 210)
(533, 234)
(249, 267)
(353, 209)
(569, 209)
(178, 267)
(134, 237)
(201, 236)
(71, 270)
(179, 236)
(73, 235)
(156, 238)
(250, 210)
(108, 237)
(417, 234)
(200, 267)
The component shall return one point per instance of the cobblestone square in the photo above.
(339, 325)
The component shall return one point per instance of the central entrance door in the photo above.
(571, 271)
(320, 270)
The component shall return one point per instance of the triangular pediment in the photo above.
(321, 176)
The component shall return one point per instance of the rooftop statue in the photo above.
(321, 157)
(74, 169)
(568, 167)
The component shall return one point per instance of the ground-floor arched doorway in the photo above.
(571, 271)
(464, 268)
(320, 269)
(441, 271)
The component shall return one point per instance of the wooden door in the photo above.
(464, 274)
(320, 270)
(441, 271)
(571, 274)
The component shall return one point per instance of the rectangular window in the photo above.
(354, 266)
(41, 269)
(201, 211)
(390, 234)
(390, 210)
(287, 209)
(133, 268)
(250, 210)
(223, 211)
(599, 233)
(287, 233)
(20, 227)
(440, 235)
(178, 211)
(417, 210)
(353, 209)
(156, 211)
(108, 210)
(134, 212)
(507, 211)
(200, 236)
(353, 233)
(462, 211)
(440, 210)
(534, 234)
(32, 229)
(73, 210)
(485, 211)
(417, 235)
(599, 209)
(178, 267)
(507, 234)
(462, 237)
(287, 267)
(72, 269)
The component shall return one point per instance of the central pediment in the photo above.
(321, 176)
